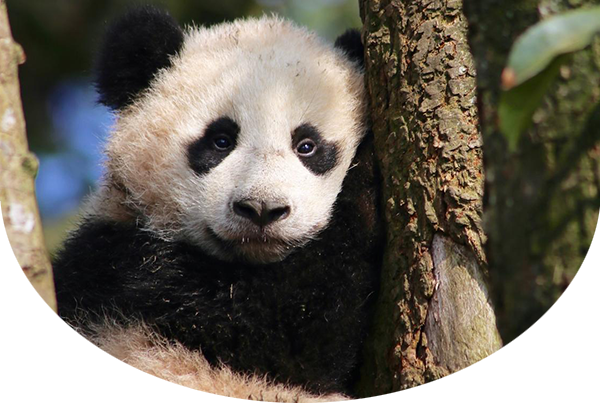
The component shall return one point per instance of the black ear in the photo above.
(135, 47)
(351, 43)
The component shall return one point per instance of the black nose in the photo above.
(261, 213)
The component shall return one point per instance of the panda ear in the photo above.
(351, 43)
(134, 49)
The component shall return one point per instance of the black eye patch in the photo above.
(319, 160)
(219, 139)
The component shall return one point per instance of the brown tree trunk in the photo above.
(434, 313)
(33, 367)
(541, 200)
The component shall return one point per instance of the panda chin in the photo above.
(254, 250)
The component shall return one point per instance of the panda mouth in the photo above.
(261, 241)
(255, 249)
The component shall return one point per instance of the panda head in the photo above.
(235, 138)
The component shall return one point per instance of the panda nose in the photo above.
(261, 213)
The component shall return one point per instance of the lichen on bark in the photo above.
(421, 81)
(33, 366)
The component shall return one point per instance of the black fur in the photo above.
(135, 48)
(202, 153)
(326, 154)
(301, 320)
(351, 43)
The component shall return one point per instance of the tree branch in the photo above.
(33, 366)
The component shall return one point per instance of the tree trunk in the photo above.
(541, 200)
(434, 313)
(33, 366)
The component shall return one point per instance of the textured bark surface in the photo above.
(542, 200)
(544, 218)
(421, 81)
(33, 367)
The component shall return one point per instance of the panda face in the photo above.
(241, 146)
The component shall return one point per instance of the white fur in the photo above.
(268, 75)
(143, 349)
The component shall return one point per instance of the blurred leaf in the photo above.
(539, 45)
(518, 104)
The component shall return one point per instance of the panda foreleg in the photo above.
(116, 364)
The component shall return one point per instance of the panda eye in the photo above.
(222, 142)
(306, 148)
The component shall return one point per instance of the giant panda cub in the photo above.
(233, 245)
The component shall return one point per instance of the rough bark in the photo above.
(434, 314)
(33, 366)
(542, 200)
